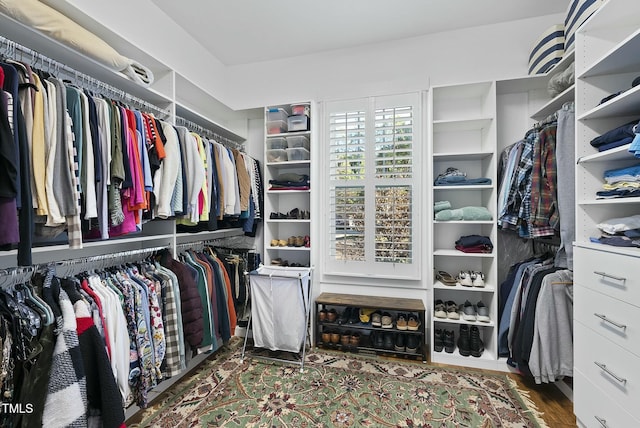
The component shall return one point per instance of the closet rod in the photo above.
(121, 256)
(208, 133)
(18, 52)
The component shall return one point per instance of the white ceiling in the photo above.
(247, 31)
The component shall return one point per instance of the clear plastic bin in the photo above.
(294, 141)
(298, 123)
(277, 155)
(277, 143)
(275, 114)
(298, 154)
(300, 109)
(277, 127)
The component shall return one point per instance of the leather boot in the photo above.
(449, 341)
(477, 346)
(463, 341)
(438, 340)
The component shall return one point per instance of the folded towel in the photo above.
(464, 213)
(441, 205)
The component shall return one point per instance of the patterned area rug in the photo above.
(338, 390)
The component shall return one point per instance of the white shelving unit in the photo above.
(462, 122)
(280, 160)
(606, 298)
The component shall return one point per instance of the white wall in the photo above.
(468, 55)
(472, 54)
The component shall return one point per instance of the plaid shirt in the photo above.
(544, 214)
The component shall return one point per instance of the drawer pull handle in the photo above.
(610, 373)
(606, 275)
(605, 319)
(602, 422)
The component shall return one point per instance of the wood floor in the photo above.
(555, 406)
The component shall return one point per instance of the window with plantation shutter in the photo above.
(373, 146)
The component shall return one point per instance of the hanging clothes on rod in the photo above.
(89, 161)
(90, 313)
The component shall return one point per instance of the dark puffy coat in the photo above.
(191, 305)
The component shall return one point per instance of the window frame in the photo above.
(370, 268)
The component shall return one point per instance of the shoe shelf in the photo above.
(463, 137)
(488, 288)
(408, 341)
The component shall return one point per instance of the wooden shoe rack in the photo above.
(366, 331)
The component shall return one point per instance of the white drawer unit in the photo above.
(611, 368)
(612, 274)
(595, 409)
(615, 320)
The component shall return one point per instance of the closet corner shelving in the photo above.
(607, 290)
(288, 152)
(463, 136)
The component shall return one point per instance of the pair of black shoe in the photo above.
(469, 341)
(395, 341)
(444, 339)
(350, 315)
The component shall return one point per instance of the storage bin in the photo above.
(547, 51)
(277, 127)
(298, 123)
(577, 12)
(301, 109)
(274, 114)
(297, 154)
(277, 155)
(277, 143)
(294, 141)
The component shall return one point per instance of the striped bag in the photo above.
(547, 51)
(577, 12)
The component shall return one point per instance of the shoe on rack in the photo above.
(445, 278)
(438, 340)
(335, 337)
(376, 319)
(345, 315)
(413, 324)
(326, 337)
(322, 315)
(378, 340)
(401, 322)
(469, 312)
(464, 278)
(345, 339)
(483, 312)
(388, 341)
(332, 315)
(439, 310)
(365, 315)
(355, 339)
(464, 341)
(478, 279)
(387, 320)
(354, 316)
(400, 344)
(413, 343)
(476, 344)
(452, 310)
(449, 341)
